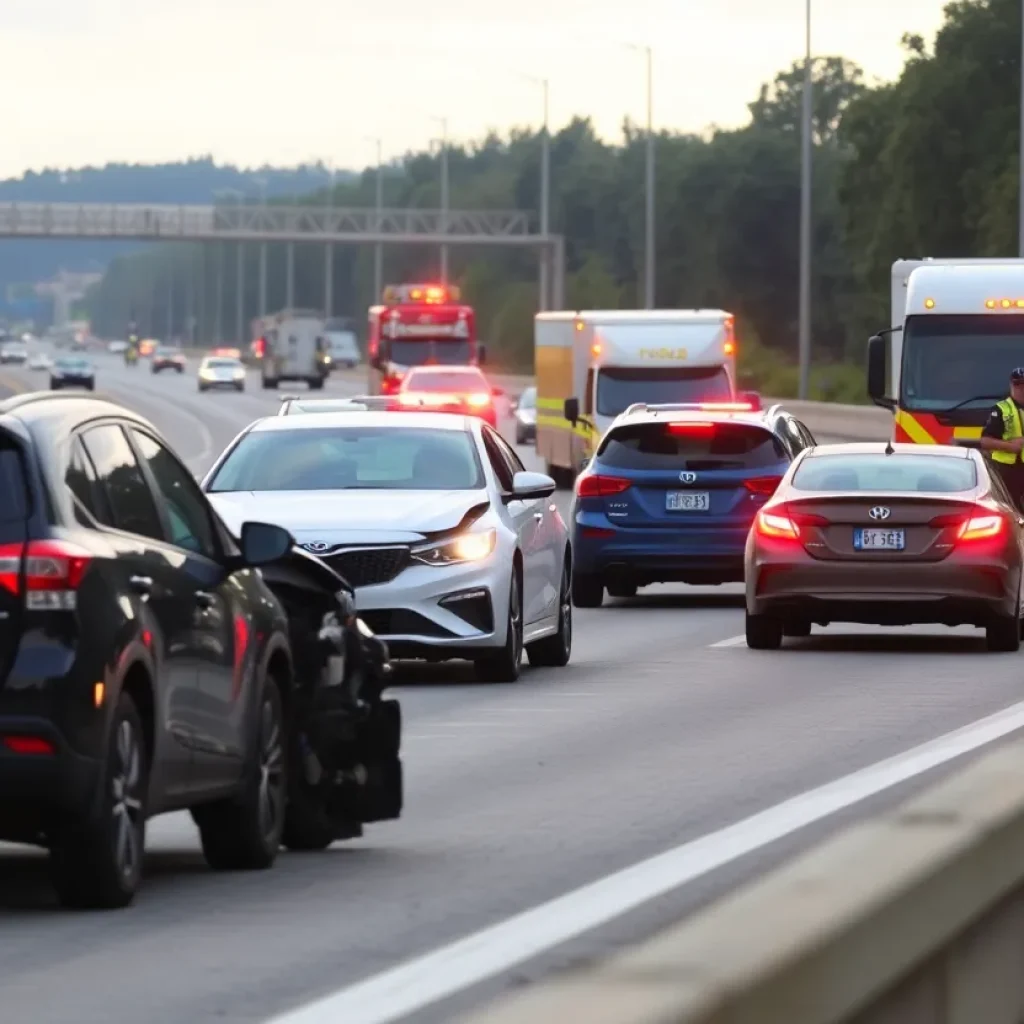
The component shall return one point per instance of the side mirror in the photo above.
(526, 486)
(263, 543)
(571, 410)
(876, 372)
(481, 353)
(498, 392)
(753, 399)
(583, 464)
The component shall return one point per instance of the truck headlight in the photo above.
(467, 547)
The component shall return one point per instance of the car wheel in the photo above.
(520, 437)
(1003, 634)
(269, 384)
(200, 387)
(98, 863)
(797, 628)
(587, 590)
(622, 589)
(239, 387)
(504, 666)
(764, 633)
(244, 832)
(54, 386)
(554, 651)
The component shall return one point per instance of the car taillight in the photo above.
(52, 573)
(684, 429)
(597, 486)
(764, 485)
(980, 524)
(478, 401)
(782, 522)
(28, 745)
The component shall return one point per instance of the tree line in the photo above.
(924, 165)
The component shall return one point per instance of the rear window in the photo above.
(455, 381)
(691, 446)
(13, 487)
(904, 473)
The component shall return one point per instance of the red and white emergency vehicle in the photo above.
(419, 325)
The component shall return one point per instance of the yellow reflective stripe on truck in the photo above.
(912, 428)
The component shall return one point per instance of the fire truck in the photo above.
(957, 332)
(419, 325)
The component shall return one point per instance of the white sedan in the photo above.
(455, 550)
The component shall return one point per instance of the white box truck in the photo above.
(295, 348)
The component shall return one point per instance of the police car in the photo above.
(671, 492)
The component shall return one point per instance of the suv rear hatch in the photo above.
(15, 506)
(687, 474)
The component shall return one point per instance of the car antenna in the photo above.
(889, 450)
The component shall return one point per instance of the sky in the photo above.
(292, 81)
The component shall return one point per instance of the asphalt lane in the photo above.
(516, 794)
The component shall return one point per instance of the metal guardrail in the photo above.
(241, 222)
(916, 917)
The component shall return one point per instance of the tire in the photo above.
(316, 383)
(504, 666)
(181, 369)
(763, 632)
(244, 833)
(587, 590)
(97, 863)
(239, 387)
(622, 589)
(91, 386)
(269, 384)
(54, 386)
(201, 387)
(520, 437)
(555, 651)
(797, 629)
(1003, 634)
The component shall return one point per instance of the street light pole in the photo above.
(806, 143)
(1020, 171)
(443, 121)
(650, 269)
(329, 250)
(378, 249)
(262, 182)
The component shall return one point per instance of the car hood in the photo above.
(349, 516)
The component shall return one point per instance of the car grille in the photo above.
(366, 567)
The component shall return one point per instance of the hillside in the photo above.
(193, 181)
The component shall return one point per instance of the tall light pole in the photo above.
(1020, 170)
(545, 189)
(329, 249)
(262, 182)
(443, 122)
(650, 270)
(378, 249)
(806, 143)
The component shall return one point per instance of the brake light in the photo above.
(52, 573)
(727, 406)
(28, 745)
(980, 524)
(597, 533)
(766, 485)
(597, 486)
(478, 401)
(389, 385)
(689, 428)
(771, 524)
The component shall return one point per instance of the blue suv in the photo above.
(671, 492)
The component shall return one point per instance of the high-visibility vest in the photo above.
(1011, 429)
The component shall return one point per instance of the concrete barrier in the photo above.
(915, 917)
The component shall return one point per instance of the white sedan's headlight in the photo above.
(467, 547)
(239, 374)
(205, 375)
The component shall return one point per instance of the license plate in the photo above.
(687, 501)
(879, 540)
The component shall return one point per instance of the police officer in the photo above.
(1003, 437)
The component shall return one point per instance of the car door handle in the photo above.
(204, 600)
(141, 584)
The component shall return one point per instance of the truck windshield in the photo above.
(619, 387)
(947, 359)
(420, 351)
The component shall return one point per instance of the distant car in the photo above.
(167, 359)
(886, 535)
(72, 372)
(463, 390)
(342, 347)
(221, 372)
(117, 347)
(13, 353)
(525, 411)
(40, 361)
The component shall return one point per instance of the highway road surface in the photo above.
(665, 738)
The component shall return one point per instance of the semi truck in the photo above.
(591, 365)
(956, 332)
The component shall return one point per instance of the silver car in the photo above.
(455, 550)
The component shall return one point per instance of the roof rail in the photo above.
(638, 407)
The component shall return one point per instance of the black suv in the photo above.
(144, 664)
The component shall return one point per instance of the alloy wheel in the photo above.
(515, 622)
(271, 786)
(126, 805)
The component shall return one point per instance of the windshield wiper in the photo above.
(967, 401)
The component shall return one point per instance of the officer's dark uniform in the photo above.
(1005, 422)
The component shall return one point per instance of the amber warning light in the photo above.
(1004, 303)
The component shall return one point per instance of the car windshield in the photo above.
(949, 359)
(898, 472)
(72, 364)
(342, 458)
(528, 399)
(672, 446)
(417, 352)
(167, 352)
(619, 387)
(222, 364)
(455, 380)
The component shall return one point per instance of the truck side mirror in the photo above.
(571, 410)
(876, 372)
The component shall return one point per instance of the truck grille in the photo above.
(366, 567)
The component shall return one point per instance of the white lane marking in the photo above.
(420, 982)
(733, 641)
